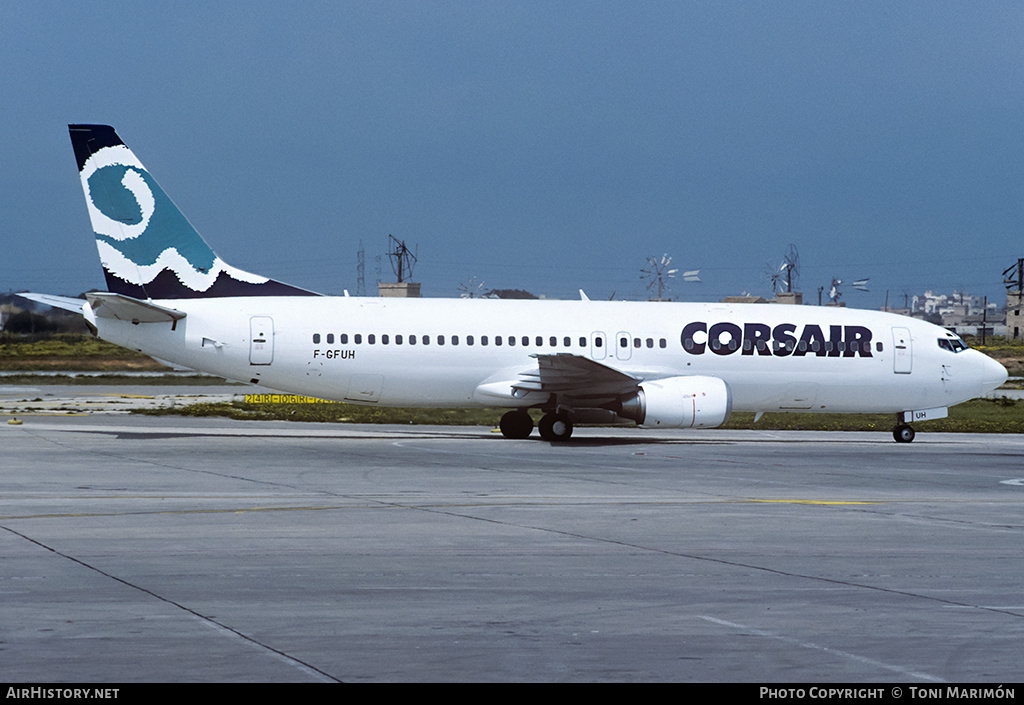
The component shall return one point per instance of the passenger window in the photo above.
(469, 340)
(330, 338)
(371, 339)
(385, 339)
(343, 338)
(412, 339)
(583, 342)
(358, 338)
(878, 347)
(566, 342)
(483, 340)
(316, 339)
(623, 342)
(425, 340)
(650, 342)
(553, 341)
(511, 340)
(636, 342)
(497, 340)
(440, 340)
(664, 343)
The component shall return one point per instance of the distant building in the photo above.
(960, 312)
(1014, 319)
(745, 299)
(399, 290)
(794, 298)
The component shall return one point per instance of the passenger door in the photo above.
(903, 353)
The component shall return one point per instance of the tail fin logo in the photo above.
(128, 217)
(147, 247)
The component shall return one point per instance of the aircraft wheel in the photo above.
(516, 424)
(555, 427)
(903, 433)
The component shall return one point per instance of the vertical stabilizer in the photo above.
(148, 248)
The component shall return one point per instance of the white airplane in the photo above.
(662, 365)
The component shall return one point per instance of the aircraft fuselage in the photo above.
(444, 352)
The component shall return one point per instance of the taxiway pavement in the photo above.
(142, 549)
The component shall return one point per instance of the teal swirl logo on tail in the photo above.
(148, 248)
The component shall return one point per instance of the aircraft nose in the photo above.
(993, 374)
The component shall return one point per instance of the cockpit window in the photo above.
(952, 344)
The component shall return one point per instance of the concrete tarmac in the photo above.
(167, 549)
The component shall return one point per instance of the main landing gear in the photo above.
(516, 424)
(554, 426)
(903, 433)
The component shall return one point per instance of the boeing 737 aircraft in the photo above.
(661, 365)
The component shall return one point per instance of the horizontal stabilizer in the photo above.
(125, 308)
(62, 302)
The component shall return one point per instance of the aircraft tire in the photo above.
(903, 433)
(555, 427)
(516, 424)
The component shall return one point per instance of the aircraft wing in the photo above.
(576, 377)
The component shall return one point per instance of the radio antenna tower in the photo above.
(361, 271)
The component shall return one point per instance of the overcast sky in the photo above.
(547, 146)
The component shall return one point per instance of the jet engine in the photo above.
(679, 402)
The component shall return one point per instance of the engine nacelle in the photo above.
(680, 402)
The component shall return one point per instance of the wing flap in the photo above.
(576, 377)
